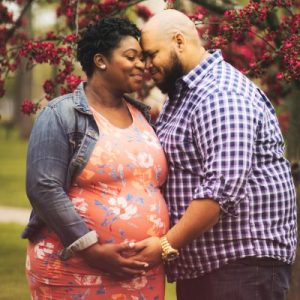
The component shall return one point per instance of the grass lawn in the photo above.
(12, 263)
(12, 170)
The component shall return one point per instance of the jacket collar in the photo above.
(80, 100)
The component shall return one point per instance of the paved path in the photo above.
(13, 214)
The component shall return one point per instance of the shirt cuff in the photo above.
(221, 191)
(82, 243)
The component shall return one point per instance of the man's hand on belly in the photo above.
(108, 258)
(149, 251)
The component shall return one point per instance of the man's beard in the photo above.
(167, 85)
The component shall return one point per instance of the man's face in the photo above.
(162, 61)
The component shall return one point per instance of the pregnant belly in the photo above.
(129, 217)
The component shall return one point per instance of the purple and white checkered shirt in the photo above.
(222, 140)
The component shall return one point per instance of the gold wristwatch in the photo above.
(168, 252)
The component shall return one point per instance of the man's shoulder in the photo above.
(223, 82)
(225, 78)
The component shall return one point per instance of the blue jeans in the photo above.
(245, 279)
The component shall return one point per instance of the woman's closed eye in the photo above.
(133, 58)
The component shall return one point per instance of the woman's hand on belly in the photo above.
(108, 258)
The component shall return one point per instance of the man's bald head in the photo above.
(171, 46)
(169, 22)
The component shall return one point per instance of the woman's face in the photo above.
(125, 68)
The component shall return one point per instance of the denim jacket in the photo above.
(60, 145)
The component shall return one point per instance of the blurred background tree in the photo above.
(259, 37)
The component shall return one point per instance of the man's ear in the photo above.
(100, 61)
(179, 40)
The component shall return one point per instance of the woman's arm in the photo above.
(47, 165)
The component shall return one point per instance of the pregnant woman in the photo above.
(94, 171)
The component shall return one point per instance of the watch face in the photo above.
(172, 255)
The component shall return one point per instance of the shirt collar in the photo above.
(193, 78)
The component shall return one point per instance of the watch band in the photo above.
(82, 243)
(168, 252)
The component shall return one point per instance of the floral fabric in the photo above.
(118, 195)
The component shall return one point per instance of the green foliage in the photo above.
(12, 171)
(12, 257)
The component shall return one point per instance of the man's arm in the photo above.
(200, 216)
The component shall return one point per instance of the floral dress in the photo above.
(118, 195)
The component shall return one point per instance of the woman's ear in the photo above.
(99, 61)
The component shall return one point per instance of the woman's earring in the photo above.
(103, 67)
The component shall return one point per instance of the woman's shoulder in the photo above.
(60, 109)
(62, 101)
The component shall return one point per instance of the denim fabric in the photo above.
(254, 279)
(61, 142)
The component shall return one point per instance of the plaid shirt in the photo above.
(222, 139)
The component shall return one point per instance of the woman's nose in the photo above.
(140, 64)
(148, 63)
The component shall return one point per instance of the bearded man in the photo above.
(229, 190)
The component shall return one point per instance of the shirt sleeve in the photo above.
(48, 159)
(224, 127)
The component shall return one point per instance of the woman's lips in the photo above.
(138, 76)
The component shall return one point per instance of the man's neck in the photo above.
(194, 60)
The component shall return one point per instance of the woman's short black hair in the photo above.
(103, 37)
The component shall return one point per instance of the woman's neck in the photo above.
(99, 95)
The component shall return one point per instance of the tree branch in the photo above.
(18, 22)
(77, 17)
(118, 11)
(214, 7)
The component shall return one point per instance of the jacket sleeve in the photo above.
(48, 158)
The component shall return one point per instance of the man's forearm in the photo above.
(200, 216)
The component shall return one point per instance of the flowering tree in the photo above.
(263, 36)
(261, 39)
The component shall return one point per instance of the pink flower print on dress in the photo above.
(136, 283)
(145, 160)
(121, 208)
(158, 226)
(151, 140)
(42, 249)
(80, 204)
(87, 279)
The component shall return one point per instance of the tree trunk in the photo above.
(293, 137)
(23, 83)
(293, 154)
(23, 86)
(215, 6)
